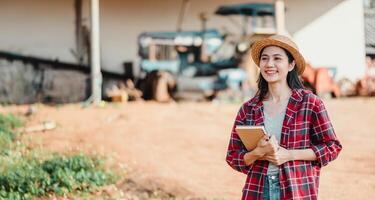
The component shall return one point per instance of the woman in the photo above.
(286, 165)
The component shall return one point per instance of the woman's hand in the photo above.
(280, 157)
(264, 146)
(267, 145)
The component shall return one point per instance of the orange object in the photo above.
(320, 81)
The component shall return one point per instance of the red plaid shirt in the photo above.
(306, 125)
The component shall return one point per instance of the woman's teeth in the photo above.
(270, 72)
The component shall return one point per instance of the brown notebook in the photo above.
(250, 135)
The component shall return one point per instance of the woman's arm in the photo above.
(324, 141)
(238, 157)
(284, 155)
(252, 156)
(236, 150)
(302, 154)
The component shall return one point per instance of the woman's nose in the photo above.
(269, 63)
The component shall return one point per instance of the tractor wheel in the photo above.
(163, 87)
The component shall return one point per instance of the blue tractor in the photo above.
(195, 63)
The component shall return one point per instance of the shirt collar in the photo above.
(297, 96)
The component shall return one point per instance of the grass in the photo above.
(31, 174)
(8, 124)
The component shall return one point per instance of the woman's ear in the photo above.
(292, 65)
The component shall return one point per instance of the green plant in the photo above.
(29, 174)
(22, 179)
(29, 177)
(77, 172)
(8, 123)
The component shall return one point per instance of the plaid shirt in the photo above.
(306, 125)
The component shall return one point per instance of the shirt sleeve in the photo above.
(236, 149)
(325, 144)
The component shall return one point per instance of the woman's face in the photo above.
(274, 64)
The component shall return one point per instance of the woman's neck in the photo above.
(278, 92)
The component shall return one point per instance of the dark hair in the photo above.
(292, 78)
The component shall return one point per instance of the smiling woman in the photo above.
(286, 165)
(275, 64)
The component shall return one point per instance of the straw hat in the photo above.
(280, 41)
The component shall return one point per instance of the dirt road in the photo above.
(181, 147)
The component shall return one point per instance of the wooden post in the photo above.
(181, 14)
(96, 76)
(280, 16)
(79, 35)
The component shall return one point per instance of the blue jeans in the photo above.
(271, 188)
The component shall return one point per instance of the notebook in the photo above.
(250, 135)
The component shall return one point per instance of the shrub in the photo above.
(8, 123)
(29, 175)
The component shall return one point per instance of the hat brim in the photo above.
(261, 44)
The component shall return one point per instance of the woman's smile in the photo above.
(271, 72)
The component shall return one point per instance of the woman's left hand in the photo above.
(281, 156)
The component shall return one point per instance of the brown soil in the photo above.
(181, 147)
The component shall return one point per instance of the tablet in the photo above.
(250, 135)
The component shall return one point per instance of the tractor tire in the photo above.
(163, 87)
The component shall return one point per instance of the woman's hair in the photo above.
(292, 79)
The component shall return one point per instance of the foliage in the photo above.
(26, 175)
(8, 123)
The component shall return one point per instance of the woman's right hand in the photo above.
(267, 145)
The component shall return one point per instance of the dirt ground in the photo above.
(181, 147)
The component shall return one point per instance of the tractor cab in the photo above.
(187, 58)
(205, 62)
(177, 52)
(258, 21)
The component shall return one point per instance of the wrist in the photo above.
(292, 155)
(258, 153)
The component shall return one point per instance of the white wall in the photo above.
(46, 27)
(331, 35)
(122, 22)
(39, 27)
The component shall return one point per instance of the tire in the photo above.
(163, 87)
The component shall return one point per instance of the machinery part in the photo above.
(320, 82)
(163, 87)
(159, 86)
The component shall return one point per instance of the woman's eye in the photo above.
(263, 58)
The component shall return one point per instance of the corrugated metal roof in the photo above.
(370, 33)
(247, 9)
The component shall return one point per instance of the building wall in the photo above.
(331, 34)
(122, 22)
(39, 27)
(25, 83)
